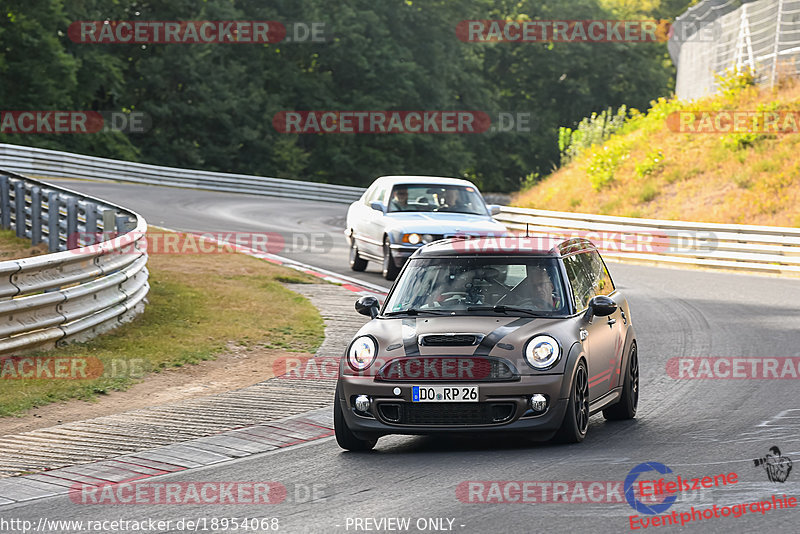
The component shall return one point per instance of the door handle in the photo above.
(584, 334)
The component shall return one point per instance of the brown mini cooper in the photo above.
(511, 334)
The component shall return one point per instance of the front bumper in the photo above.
(501, 407)
(401, 253)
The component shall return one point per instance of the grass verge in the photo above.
(199, 306)
(646, 169)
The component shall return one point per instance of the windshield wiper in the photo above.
(505, 309)
(415, 311)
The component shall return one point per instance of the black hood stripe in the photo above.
(498, 334)
(410, 344)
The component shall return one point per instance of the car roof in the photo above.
(531, 245)
(426, 180)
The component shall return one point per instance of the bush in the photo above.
(604, 163)
(591, 131)
(654, 161)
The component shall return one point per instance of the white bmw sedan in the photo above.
(399, 214)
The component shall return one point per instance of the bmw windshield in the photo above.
(439, 198)
(486, 285)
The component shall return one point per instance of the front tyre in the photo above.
(625, 408)
(576, 420)
(344, 436)
(357, 263)
(390, 269)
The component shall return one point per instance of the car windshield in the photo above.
(439, 198)
(479, 285)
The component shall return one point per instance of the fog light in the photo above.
(538, 403)
(362, 403)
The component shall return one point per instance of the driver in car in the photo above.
(535, 291)
(399, 200)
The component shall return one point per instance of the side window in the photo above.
(578, 272)
(601, 280)
(369, 193)
(375, 194)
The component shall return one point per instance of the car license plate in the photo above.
(444, 393)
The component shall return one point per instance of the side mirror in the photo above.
(377, 206)
(601, 306)
(494, 209)
(367, 305)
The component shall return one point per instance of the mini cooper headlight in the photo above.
(362, 353)
(542, 352)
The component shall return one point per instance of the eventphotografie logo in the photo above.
(777, 466)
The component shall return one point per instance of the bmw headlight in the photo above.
(412, 238)
(542, 352)
(362, 353)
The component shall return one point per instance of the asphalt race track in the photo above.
(696, 427)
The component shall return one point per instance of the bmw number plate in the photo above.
(444, 393)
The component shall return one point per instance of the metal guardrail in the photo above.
(766, 249)
(84, 286)
(41, 162)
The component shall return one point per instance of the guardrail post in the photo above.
(72, 223)
(36, 215)
(19, 208)
(122, 224)
(109, 221)
(90, 235)
(53, 237)
(5, 203)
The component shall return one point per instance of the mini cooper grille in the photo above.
(442, 340)
(451, 368)
(447, 414)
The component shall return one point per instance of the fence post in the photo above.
(90, 236)
(36, 215)
(53, 228)
(109, 220)
(5, 203)
(122, 224)
(72, 223)
(19, 208)
(778, 18)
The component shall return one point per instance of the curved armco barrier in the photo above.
(762, 249)
(83, 289)
(41, 162)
